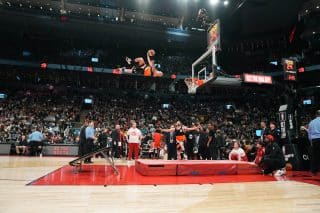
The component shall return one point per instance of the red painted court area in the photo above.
(162, 172)
(104, 175)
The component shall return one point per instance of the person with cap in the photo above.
(314, 137)
(273, 161)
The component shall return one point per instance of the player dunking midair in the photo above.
(139, 65)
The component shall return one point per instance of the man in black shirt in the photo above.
(203, 149)
(190, 144)
(275, 133)
(212, 144)
(116, 141)
(171, 144)
(102, 139)
(273, 160)
(220, 143)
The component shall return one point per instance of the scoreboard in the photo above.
(290, 69)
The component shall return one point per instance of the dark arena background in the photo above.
(159, 106)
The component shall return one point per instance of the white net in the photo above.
(191, 84)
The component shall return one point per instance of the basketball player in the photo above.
(180, 134)
(134, 137)
(139, 65)
(151, 60)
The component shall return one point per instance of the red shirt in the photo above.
(259, 156)
(157, 140)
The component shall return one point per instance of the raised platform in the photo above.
(194, 167)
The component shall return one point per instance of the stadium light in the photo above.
(226, 3)
(214, 2)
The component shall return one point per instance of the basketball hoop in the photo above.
(201, 75)
(191, 84)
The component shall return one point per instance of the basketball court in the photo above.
(66, 184)
(34, 184)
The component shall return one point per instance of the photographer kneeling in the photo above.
(273, 160)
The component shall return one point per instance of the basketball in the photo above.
(147, 71)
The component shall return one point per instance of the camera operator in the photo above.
(273, 160)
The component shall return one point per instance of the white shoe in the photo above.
(280, 172)
(129, 163)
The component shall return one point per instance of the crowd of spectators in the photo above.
(59, 113)
(52, 113)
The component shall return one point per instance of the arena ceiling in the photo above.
(240, 17)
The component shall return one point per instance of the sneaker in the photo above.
(279, 173)
(130, 163)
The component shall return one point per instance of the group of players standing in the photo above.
(179, 141)
(196, 142)
(182, 142)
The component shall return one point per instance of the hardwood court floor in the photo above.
(15, 196)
